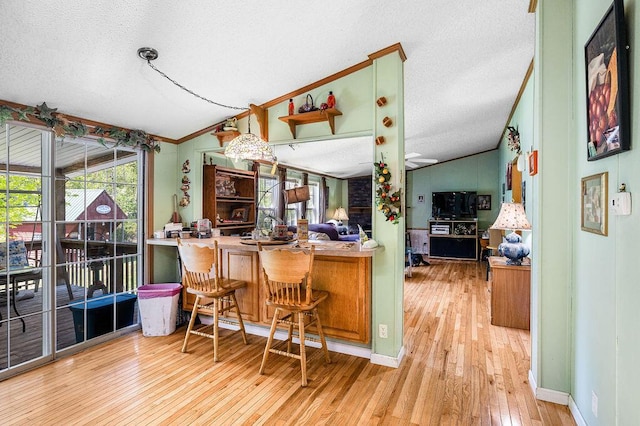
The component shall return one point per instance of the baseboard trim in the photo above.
(577, 416)
(556, 397)
(548, 395)
(333, 346)
(388, 361)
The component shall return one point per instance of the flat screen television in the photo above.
(454, 205)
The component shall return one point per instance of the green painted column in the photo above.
(388, 264)
(553, 191)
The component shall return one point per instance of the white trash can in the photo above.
(158, 305)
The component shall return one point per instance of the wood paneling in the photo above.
(346, 314)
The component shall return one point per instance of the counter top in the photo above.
(323, 248)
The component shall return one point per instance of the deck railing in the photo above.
(107, 265)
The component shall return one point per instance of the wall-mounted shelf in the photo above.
(226, 136)
(311, 117)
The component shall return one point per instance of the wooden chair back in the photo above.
(287, 275)
(200, 266)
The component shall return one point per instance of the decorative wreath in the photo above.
(513, 139)
(388, 203)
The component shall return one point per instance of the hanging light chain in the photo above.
(192, 92)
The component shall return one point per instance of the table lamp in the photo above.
(340, 215)
(512, 217)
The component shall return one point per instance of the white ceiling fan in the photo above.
(411, 160)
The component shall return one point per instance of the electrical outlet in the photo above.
(594, 403)
(382, 331)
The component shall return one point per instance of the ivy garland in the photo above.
(62, 127)
(388, 203)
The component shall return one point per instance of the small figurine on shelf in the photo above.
(186, 167)
(231, 124)
(291, 107)
(331, 100)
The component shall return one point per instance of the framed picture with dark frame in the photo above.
(484, 202)
(607, 84)
(239, 214)
(594, 203)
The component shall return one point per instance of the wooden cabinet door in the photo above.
(243, 265)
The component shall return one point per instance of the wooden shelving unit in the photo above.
(219, 202)
(319, 116)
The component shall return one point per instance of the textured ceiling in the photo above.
(466, 60)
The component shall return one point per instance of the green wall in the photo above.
(584, 286)
(356, 94)
(480, 173)
(606, 341)
(165, 174)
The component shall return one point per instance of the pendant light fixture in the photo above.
(247, 146)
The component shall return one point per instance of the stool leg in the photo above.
(322, 339)
(216, 312)
(303, 352)
(235, 303)
(290, 334)
(192, 321)
(269, 340)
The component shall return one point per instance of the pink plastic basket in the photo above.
(152, 291)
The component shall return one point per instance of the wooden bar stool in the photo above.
(201, 277)
(287, 278)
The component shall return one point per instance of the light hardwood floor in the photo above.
(458, 370)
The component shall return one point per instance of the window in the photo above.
(267, 202)
(293, 211)
(313, 205)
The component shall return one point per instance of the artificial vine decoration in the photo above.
(388, 203)
(62, 127)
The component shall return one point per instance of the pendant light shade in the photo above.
(248, 146)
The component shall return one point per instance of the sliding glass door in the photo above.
(25, 262)
(97, 243)
(70, 243)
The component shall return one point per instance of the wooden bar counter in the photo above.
(340, 268)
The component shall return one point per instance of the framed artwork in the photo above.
(607, 79)
(420, 198)
(508, 177)
(239, 214)
(533, 163)
(484, 202)
(594, 203)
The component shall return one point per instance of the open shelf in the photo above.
(327, 115)
(226, 136)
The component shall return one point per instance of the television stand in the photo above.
(453, 239)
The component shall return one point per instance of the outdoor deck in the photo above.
(28, 345)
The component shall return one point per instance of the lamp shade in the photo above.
(297, 194)
(511, 216)
(248, 146)
(340, 214)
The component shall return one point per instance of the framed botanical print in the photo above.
(594, 203)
